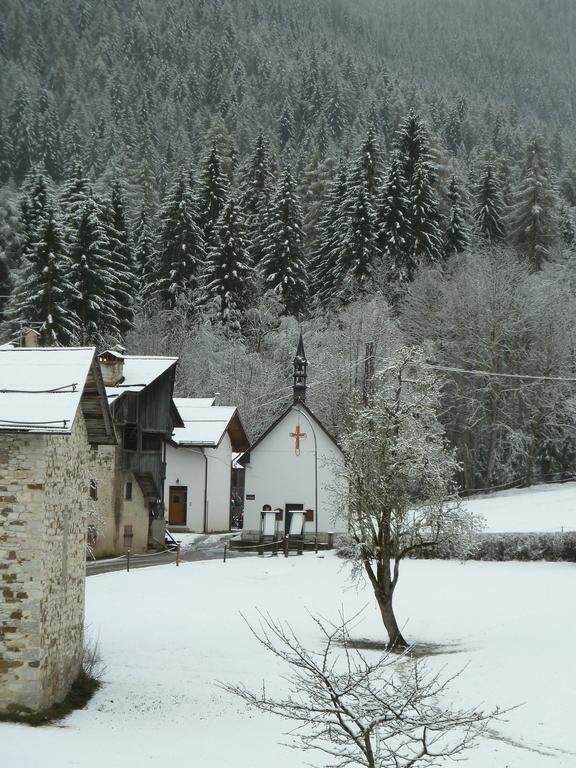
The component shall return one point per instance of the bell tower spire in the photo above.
(300, 366)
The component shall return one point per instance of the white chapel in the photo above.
(291, 472)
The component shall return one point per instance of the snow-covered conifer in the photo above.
(489, 208)
(256, 189)
(393, 223)
(44, 293)
(358, 254)
(413, 146)
(181, 246)
(457, 235)
(121, 256)
(533, 222)
(229, 275)
(425, 220)
(282, 267)
(92, 276)
(323, 267)
(21, 133)
(213, 192)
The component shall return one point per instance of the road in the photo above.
(204, 548)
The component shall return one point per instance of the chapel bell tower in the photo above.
(300, 366)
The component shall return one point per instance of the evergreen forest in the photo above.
(205, 177)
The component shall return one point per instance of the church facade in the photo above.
(293, 471)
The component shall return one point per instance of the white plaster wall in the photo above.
(185, 466)
(219, 485)
(277, 476)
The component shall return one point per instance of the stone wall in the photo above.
(114, 514)
(44, 497)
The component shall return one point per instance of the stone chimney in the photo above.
(30, 338)
(112, 366)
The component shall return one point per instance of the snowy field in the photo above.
(167, 634)
(550, 508)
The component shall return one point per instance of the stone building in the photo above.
(53, 415)
(130, 476)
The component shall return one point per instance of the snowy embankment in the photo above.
(549, 508)
(166, 634)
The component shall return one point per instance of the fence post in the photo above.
(275, 548)
(225, 548)
(330, 540)
(285, 546)
(128, 561)
(178, 554)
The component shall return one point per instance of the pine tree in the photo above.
(358, 254)
(323, 268)
(213, 192)
(44, 292)
(282, 267)
(181, 247)
(229, 276)
(367, 168)
(48, 137)
(413, 147)
(256, 188)
(74, 195)
(34, 205)
(20, 133)
(533, 222)
(121, 256)
(145, 257)
(457, 235)
(393, 224)
(488, 210)
(425, 221)
(92, 277)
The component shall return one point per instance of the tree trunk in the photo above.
(396, 640)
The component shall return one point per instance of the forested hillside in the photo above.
(198, 177)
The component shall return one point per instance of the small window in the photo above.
(128, 491)
(151, 442)
(128, 535)
(93, 490)
(130, 437)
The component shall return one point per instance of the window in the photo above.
(93, 490)
(128, 491)
(130, 437)
(151, 442)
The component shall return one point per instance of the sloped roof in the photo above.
(41, 389)
(206, 426)
(245, 458)
(140, 371)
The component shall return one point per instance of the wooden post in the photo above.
(225, 548)
(178, 554)
(128, 561)
(285, 546)
(330, 540)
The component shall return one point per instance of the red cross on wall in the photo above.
(298, 434)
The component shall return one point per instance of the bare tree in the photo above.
(385, 713)
(399, 479)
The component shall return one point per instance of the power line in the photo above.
(474, 372)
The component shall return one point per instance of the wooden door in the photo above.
(289, 508)
(177, 499)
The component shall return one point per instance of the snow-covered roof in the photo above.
(41, 388)
(139, 372)
(195, 402)
(205, 425)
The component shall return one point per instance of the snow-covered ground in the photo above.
(550, 507)
(167, 634)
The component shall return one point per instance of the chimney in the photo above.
(30, 338)
(112, 366)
